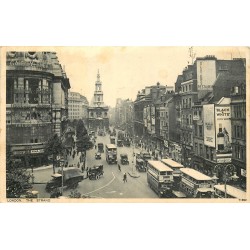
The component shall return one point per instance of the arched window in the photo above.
(190, 119)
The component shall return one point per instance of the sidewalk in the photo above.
(40, 168)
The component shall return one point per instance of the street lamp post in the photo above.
(226, 170)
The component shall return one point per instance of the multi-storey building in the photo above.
(124, 115)
(98, 111)
(36, 103)
(167, 125)
(229, 74)
(207, 75)
(146, 106)
(78, 106)
(238, 123)
(188, 95)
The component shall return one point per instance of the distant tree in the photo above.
(17, 178)
(83, 141)
(55, 148)
(75, 122)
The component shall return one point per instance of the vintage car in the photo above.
(100, 147)
(124, 159)
(98, 156)
(101, 132)
(95, 172)
(140, 165)
(119, 143)
(126, 142)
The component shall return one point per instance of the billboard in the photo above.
(223, 130)
(209, 125)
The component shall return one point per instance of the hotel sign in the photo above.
(40, 65)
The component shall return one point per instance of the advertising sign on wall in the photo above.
(223, 129)
(209, 125)
(206, 73)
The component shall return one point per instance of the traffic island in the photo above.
(134, 174)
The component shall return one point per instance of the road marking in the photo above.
(102, 186)
(111, 192)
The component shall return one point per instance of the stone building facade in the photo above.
(78, 106)
(36, 103)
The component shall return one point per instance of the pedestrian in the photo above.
(78, 165)
(125, 177)
(119, 167)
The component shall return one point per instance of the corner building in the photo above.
(36, 103)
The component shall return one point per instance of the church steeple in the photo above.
(98, 94)
(98, 75)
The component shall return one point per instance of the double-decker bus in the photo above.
(176, 166)
(196, 184)
(111, 154)
(228, 191)
(160, 178)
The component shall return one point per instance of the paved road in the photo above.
(111, 185)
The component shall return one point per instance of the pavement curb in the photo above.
(134, 175)
(40, 168)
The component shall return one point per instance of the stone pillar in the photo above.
(27, 91)
(21, 89)
(14, 94)
(40, 92)
(57, 93)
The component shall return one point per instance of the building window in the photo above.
(201, 149)
(190, 119)
(195, 130)
(207, 152)
(196, 148)
(200, 131)
(211, 154)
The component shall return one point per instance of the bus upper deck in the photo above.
(228, 191)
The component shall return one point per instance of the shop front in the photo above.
(30, 156)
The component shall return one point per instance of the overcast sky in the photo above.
(126, 70)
